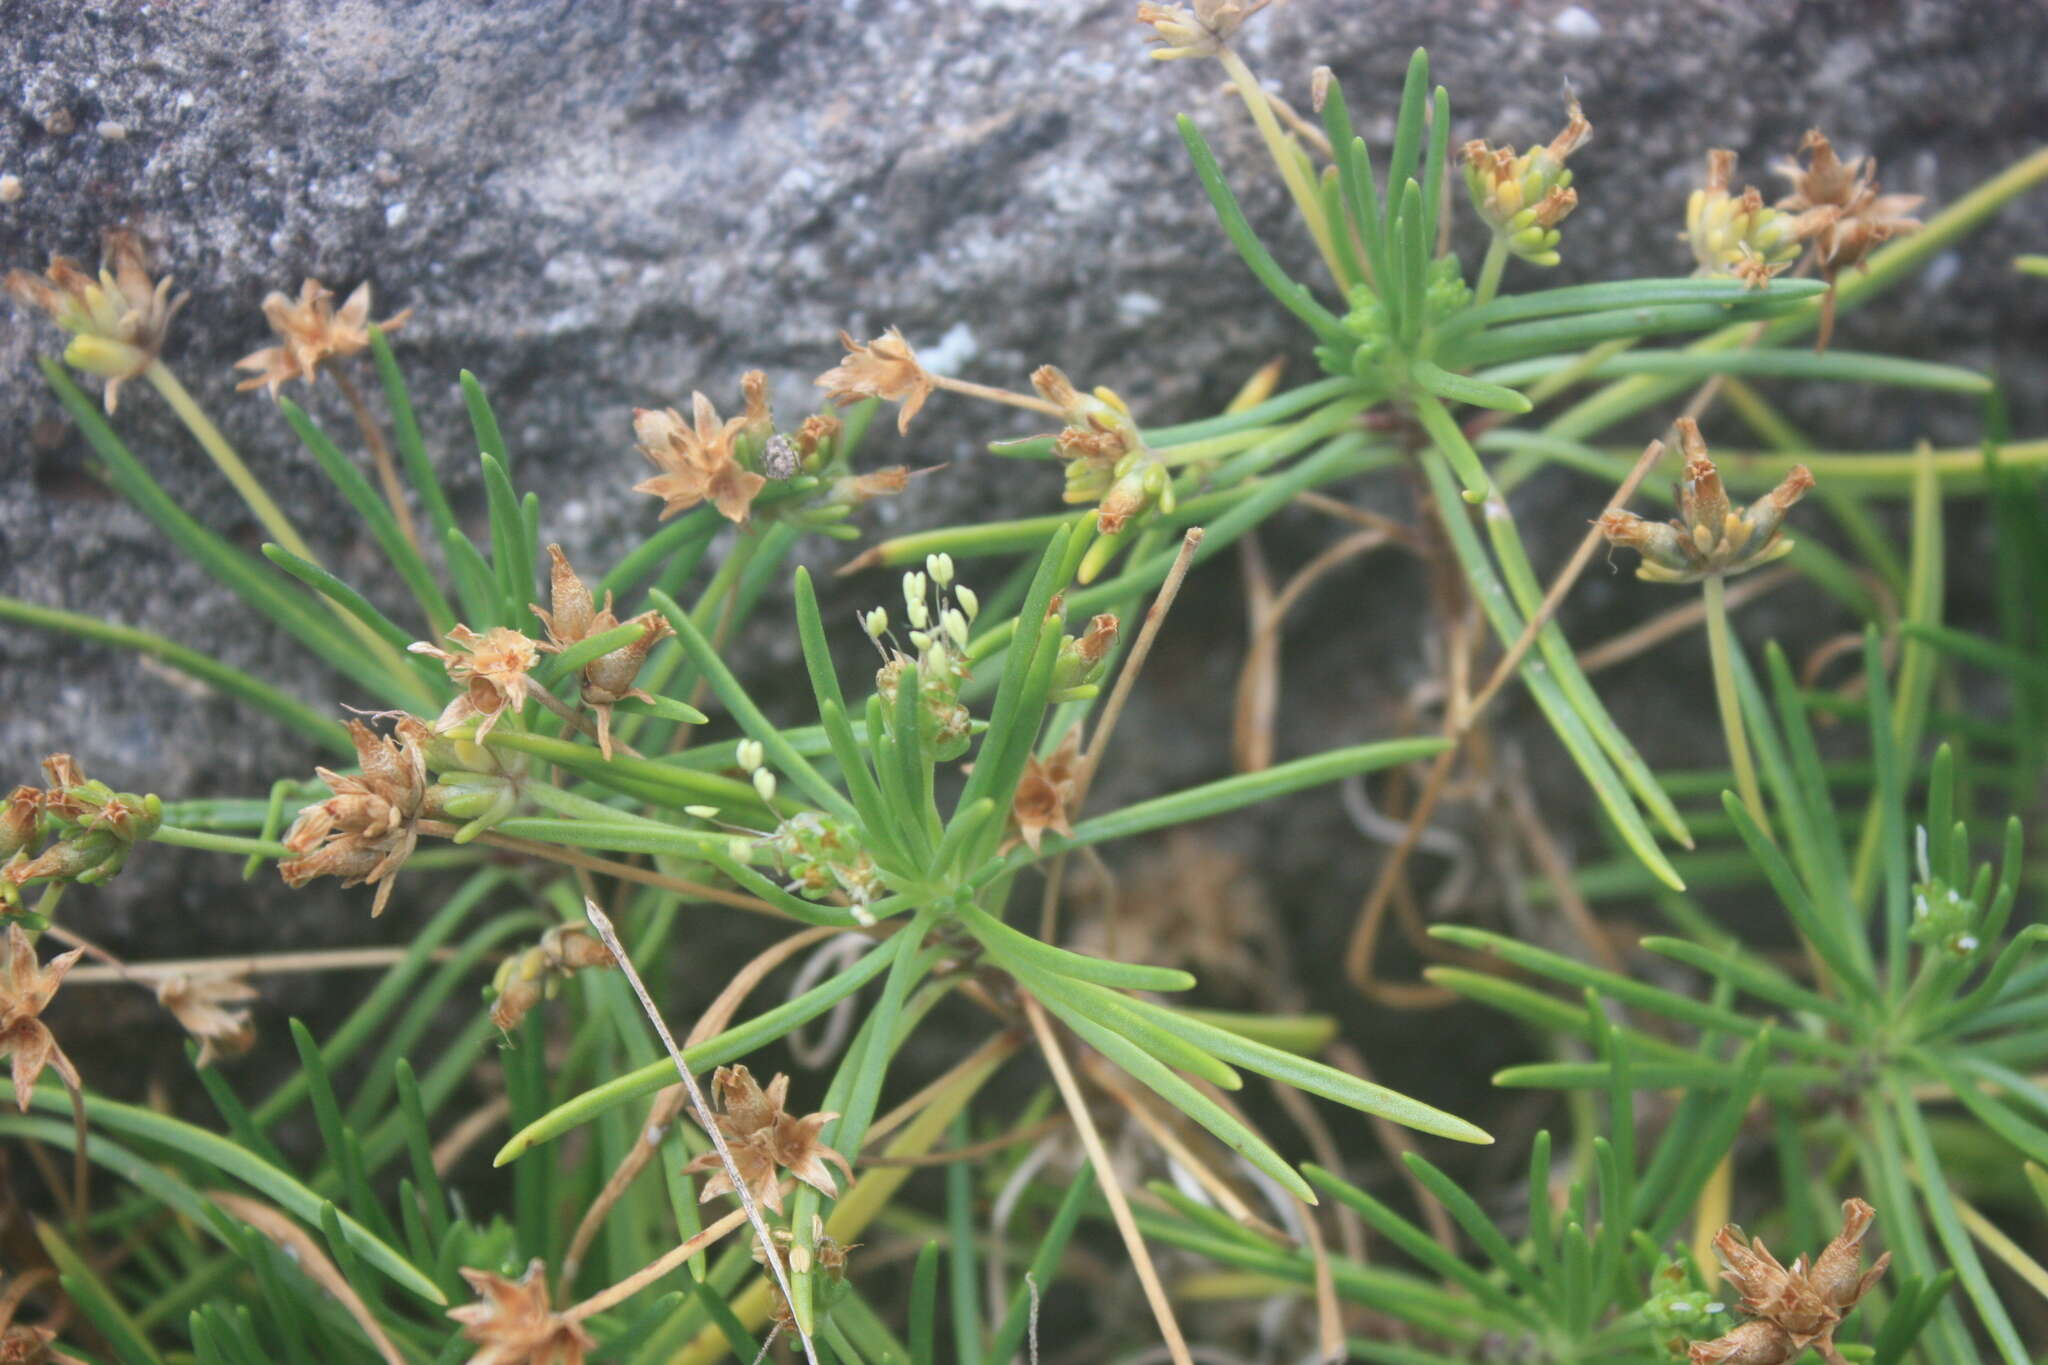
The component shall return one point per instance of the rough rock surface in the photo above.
(603, 204)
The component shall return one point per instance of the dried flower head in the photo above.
(765, 1139)
(1734, 234)
(1043, 793)
(202, 1004)
(697, 463)
(1099, 429)
(1141, 483)
(525, 979)
(1202, 31)
(607, 679)
(1757, 1342)
(96, 828)
(1523, 197)
(512, 1323)
(25, 1344)
(1708, 537)
(1792, 1309)
(368, 828)
(760, 414)
(1084, 658)
(25, 992)
(1837, 1274)
(884, 368)
(62, 798)
(1838, 205)
(311, 333)
(19, 813)
(118, 318)
(814, 438)
(492, 669)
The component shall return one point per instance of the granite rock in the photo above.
(606, 204)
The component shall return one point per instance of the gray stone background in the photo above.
(602, 205)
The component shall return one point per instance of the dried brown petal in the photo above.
(1202, 31)
(201, 1006)
(1100, 637)
(367, 829)
(1753, 1343)
(1043, 793)
(884, 368)
(25, 992)
(311, 333)
(697, 462)
(21, 1344)
(119, 317)
(1837, 1275)
(1839, 205)
(765, 1139)
(492, 668)
(513, 1323)
(574, 616)
(18, 817)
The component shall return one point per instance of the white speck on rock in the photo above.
(1576, 21)
(1137, 306)
(112, 131)
(395, 214)
(951, 351)
(10, 189)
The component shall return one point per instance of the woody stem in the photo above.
(1722, 648)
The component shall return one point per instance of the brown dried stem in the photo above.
(380, 455)
(311, 1258)
(1112, 1188)
(466, 1133)
(1258, 682)
(658, 1267)
(668, 1103)
(1581, 557)
(569, 857)
(769, 1254)
(1169, 1142)
(1127, 678)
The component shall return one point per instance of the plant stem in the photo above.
(1287, 157)
(996, 395)
(1490, 271)
(216, 445)
(648, 1274)
(218, 843)
(256, 964)
(380, 454)
(1722, 647)
(268, 513)
(1112, 1191)
(770, 1257)
(1496, 506)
